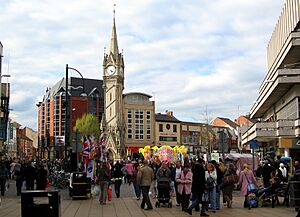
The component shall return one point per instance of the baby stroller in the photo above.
(252, 197)
(164, 191)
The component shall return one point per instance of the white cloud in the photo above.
(190, 54)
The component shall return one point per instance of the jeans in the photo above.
(103, 191)
(2, 185)
(213, 198)
(118, 184)
(137, 190)
(218, 192)
(177, 194)
(146, 199)
(154, 188)
(195, 201)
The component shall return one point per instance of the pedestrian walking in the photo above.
(118, 176)
(135, 181)
(266, 173)
(178, 170)
(185, 186)
(129, 171)
(155, 165)
(246, 177)
(145, 177)
(211, 182)
(3, 177)
(41, 178)
(29, 176)
(103, 178)
(18, 174)
(198, 185)
(228, 183)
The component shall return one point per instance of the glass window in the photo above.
(174, 128)
(160, 128)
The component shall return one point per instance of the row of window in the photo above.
(137, 117)
(168, 127)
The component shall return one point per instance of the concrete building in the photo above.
(139, 114)
(197, 137)
(52, 111)
(167, 129)
(278, 104)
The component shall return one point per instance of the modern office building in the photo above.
(277, 108)
(52, 111)
(11, 145)
(139, 117)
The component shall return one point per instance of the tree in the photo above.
(88, 124)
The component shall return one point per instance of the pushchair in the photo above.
(164, 194)
(252, 197)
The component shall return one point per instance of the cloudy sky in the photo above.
(193, 56)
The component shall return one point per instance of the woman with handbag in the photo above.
(230, 178)
(246, 178)
(211, 183)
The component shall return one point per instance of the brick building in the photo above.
(52, 111)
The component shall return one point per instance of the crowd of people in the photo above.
(196, 185)
(30, 175)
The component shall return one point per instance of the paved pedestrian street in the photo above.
(128, 206)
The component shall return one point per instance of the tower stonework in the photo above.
(113, 86)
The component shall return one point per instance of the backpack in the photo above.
(210, 183)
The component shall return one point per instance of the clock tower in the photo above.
(113, 86)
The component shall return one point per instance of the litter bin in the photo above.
(79, 185)
(40, 203)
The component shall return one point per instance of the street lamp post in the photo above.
(67, 107)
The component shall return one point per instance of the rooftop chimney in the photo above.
(169, 113)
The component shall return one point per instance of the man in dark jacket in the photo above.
(104, 176)
(41, 178)
(3, 177)
(118, 175)
(29, 176)
(198, 185)
(267, 169)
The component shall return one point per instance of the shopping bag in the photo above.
(109, 193)
(48, 184)
(96, 191)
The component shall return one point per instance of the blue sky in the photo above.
(191, 55)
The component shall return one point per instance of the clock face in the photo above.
(111, 70)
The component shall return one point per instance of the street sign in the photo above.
(254, 144)
(60, 140)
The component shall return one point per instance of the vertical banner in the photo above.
(90, 169)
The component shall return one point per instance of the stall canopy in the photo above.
(241, 159)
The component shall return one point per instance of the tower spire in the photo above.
(114, 42)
